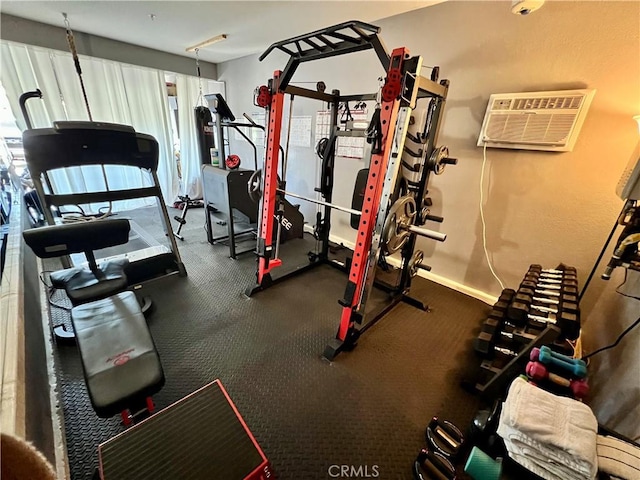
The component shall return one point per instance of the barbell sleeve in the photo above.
(425, 232)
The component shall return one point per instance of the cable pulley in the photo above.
(262, 96)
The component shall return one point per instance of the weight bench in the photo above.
(120, 362)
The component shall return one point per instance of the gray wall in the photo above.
(21, 30)
(541, 207)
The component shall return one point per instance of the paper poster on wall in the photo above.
(300, 135)
(323, 125)
(349, 147)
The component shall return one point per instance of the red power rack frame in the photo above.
(403, 87)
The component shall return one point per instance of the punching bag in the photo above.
(204, 131)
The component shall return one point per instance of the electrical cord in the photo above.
(614, 344)
(50, 291)
(484, 224)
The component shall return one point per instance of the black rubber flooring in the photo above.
(369, 407)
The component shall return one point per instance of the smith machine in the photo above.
(395, 203)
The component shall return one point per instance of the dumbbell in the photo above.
(555, 287)
(557, 303)
(504, 300)
(491, 325)
(548, 293)
(494, 327)
(501, 305)
(540, 279)
(549, 273)
(498, 315)
(568, 275)
(546, 356)
(538, 372)
(569, 323)
(520, 313)
(564, 271)
(507, 294)
(485, 344)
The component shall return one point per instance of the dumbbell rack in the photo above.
(543, 310)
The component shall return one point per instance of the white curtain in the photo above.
(187, 92)
(117, 93)
(188, 97)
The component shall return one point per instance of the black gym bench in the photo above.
(120, 362)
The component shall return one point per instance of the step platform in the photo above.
(201, 436)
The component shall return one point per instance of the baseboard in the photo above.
(446, 282)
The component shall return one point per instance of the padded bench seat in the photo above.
(120, 361)
(82, 285)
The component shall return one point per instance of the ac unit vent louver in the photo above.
(547, 121)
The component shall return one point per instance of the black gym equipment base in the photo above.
(368, 407)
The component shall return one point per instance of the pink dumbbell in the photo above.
(537, 371)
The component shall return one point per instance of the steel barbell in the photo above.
(398, 224)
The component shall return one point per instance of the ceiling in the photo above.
(176, 25)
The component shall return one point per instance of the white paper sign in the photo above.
(349, 147)
(300, 135)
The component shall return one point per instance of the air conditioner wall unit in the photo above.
(549, 121)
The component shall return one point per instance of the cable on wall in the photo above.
(484, 224)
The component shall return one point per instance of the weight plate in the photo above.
(435, 161)
(415, 262)
(232, 162)
(400, 217)
(254, 186)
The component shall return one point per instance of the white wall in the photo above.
(540, 207)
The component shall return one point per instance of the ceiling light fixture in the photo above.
(206, 43)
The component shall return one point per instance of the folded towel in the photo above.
(618, 458)
(561, 430)
(548, 463)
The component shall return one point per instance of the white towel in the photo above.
(550, 464)
(556, 434)
(618, 458)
